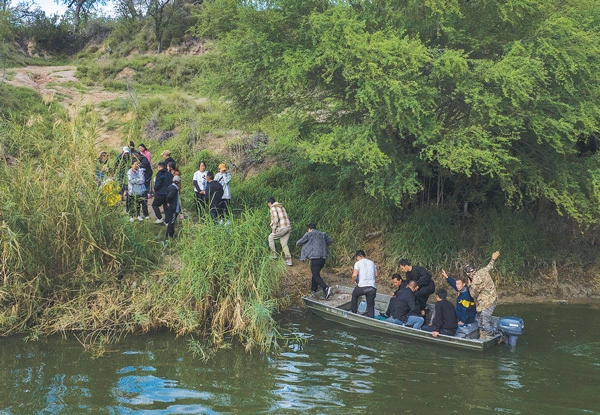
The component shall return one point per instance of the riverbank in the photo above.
(216, 284)
(296, 283)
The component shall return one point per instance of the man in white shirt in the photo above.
(364, 276)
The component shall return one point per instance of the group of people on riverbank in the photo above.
(130, 180)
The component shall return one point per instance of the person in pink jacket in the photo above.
(145, 152)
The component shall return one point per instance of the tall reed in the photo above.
(59, 238)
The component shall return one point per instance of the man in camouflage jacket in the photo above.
(483, 290)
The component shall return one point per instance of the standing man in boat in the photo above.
(314, 249)
(364, 275)
(483, 290)
(425, 284)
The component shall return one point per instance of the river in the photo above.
(555, 369)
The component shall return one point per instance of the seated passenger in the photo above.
(465, 305)
(398, 284)
(444, 318)
(403, 308)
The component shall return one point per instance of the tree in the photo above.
(130, 9)
(80, 8)
(411, 92)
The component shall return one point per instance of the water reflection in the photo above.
(338, 370)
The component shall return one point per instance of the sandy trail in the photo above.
(59, 83)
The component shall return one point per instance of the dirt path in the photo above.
(58, 83)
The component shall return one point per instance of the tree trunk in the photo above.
(77, 15)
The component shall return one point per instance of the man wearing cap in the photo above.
(280, 229)
(167, 157)
(122, 165)
(483, 290)
(224, 177)
(213, 193)
(173, 206)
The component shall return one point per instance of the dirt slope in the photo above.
(59, 83)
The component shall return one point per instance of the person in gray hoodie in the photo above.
(314, 248)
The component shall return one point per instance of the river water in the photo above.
(555, 369)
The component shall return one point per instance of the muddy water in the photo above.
(555, 369)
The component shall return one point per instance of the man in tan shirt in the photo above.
(280, 229)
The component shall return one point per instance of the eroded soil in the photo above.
(59, 83)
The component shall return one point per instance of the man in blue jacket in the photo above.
(465, 305)
(314, 248)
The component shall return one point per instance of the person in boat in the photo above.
(398, 284)
(314, 248)
(364, 275)
(465, 305)
(483, 290)
(444, 318)
(425, 284)
(403, 308)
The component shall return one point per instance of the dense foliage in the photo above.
(466, 103)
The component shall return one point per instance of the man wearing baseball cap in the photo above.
(483, 290)
(224, 177)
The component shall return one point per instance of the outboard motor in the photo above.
(511, 327)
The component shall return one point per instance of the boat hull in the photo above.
(337, 309)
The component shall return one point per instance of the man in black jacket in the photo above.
(444, 318)
(214, 194)
(161, 183)
(425, 284)
(172, 206)
(403, 308)
(167, 157)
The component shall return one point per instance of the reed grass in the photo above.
(59, 239)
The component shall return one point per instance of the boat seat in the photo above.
(469, 331)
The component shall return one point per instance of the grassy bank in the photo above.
(534, 236)
(72, 264)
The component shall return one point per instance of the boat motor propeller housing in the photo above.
(511, 327)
